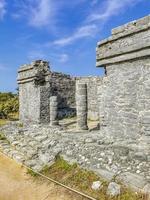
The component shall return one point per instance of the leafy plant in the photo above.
(9, 104)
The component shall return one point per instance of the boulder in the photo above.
(96, 185)
(113, 189)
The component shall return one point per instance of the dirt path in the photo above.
(15, 184)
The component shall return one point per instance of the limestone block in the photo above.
(128, 42)
(113, 189)
(96, 185)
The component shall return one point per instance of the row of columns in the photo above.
(81, 107)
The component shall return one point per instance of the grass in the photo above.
(11, 117)
(2, 137)
(3, 122)
(32, 173)
(81, 180)
(20, 125)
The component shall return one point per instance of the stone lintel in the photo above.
(128, 42)
(30, 79)
(25, 68)
(145, 53)
(28, 73)
(132, 26)
(127, 29)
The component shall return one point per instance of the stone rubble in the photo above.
(113, 189)
(37, 145)
(96, 185)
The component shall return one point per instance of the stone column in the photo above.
(53, 111)
(81, 105)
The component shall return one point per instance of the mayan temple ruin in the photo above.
(118, 145)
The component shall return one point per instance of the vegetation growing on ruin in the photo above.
(81, 180)
(9, 106)
(3, 122)
(2, 136)
(32, 173)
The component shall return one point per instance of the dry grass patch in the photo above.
(3, 122)
(81, 180)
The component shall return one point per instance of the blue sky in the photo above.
(64, 32)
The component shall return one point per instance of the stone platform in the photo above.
(111, 157)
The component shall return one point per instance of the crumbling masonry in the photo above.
(37, 83)
(125, 103)
(120, 148)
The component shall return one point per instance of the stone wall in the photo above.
(36, 84)
(92, 85)
(125, 108)
(63, 86)
(34, 96)
(34, 92)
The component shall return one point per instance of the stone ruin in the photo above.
(125, 91)
(37, 84)
(120, 147)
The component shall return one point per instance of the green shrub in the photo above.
(9, 104)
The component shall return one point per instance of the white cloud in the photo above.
(97, 18)
(109, 9)
(38, 12)
(41, 14)
(2, 8)
(82, 32)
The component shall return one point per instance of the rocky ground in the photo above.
(38, 145)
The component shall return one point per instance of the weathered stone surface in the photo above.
(146, 189)
(105, 173)
(53, 111)
(109, 158)
(124, 92)
(133, 180)
(81, 106)
(63, 86)
(113, 189)
(92, 95)
(36, 84)
(34, 91)
(96, 185)
(126, 45)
